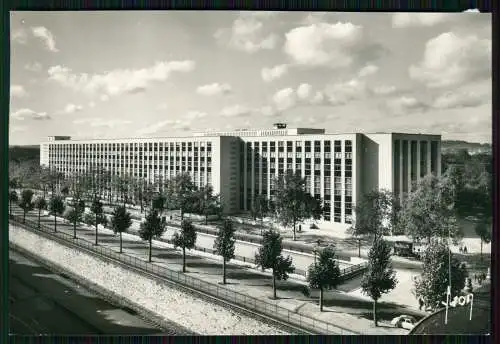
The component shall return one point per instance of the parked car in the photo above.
(404, 321)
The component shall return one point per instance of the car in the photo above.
(404, 321)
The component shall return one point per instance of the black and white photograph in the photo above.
(250, 173)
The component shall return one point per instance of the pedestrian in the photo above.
(465, 249)
(460, 249)
(475, 277)
(420, 303)
(300, 228)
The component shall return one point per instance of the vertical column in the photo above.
(438, 157)
(268, 175)
(418, 160)
(303, 158)
(252, 161)
(410, 165)
(245, 175)
(400, 170)
(429, 157)
(354, 178)
(260, 167)
(342, 177)
(322, 169)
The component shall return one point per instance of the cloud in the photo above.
(99, 122)
(276, 72)
(405, 104)
(17, 91)
(452, 100)
(71, 108)
(235, 111)
(247, 34)
(118, 81)
(268, 111)
(104, 98)
(214, 89)
(153, 128)
(304, 91)
(284, 99)
(403, 20)
(23, 114)
(19, 36)
(384, 90)
(46, 36)
(33, 67)
(17, 128)
(162, 106)
(91, 104)
(368, 70)
(330, 45)
(191, 115)
(340, 93)
(450, 60)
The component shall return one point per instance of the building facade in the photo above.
(338, 168)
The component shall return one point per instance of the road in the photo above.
(42, 302)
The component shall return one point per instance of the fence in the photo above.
(268, 309)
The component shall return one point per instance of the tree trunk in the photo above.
(481, 250)
(10, 208)
(375, 313)
(55, 222)
(150, 249)
(121, 247)
(182, 214)
(74, 227)
(39, 215)
(223, 270)
(206, 219)
(294, 236)
(359, 248)
(274, 286)
(24, 216)
(321, 299)
(96, 234)
(183, 259)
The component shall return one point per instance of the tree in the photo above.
(380, 277)
(185, 239)
(152, 227)
(148, 195)
(56, 207)
(122, 185)
(224, 244)
(40, 204)
(121, 222)
(292, 203)
(269, 257)
(138, 190)
(207, 202)
(483, 231)
(259, 209)
(435, 278)
(76, 189)
(97, 209)
(324, 274)
(13, 198)
(182, 192)
(375, 216)
(26, 202)
(158, 203)
(428, 211)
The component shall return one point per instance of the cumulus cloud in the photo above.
(33, 67)
(46, 36)
(452, 100)
(17, 91)
(368, 70)
(247, 34)
(100, 122)
(384, 90)
(405, 104)
(19, 36)
(276, 72)
(23, 114)
(268, 111)
(402, 20)
(235, 111)
(191, 115)
(322, 44)
(214, 89)
(450, 60)
(284, 99)
(304, 91)
(71, 108)
(118, 81)
(153, 128)
(340, 93)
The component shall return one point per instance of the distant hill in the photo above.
(24, 153)
(472, 147)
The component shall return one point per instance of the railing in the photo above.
(250, 303)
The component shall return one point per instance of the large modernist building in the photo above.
(338, 168)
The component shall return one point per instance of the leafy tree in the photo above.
(158, 203)
(259, 209)
(97, 210)
(380, 277)
(148, 194)
(121, 222)
(483, 231)
(435, 278)
(292, 203)
(185, 239)
(428, 211)
(269, 257)
(375, 216)
(182, 193)
(224, 244)
(40, 204)
(56, 207)
(152, 227)
(13, 198)
(207, 202)
(122, 185)
(324, 274)
(26, 202)
(138, 189)
(65, 190)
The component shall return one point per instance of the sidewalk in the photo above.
(340, 309)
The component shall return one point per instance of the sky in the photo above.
(112, 74)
